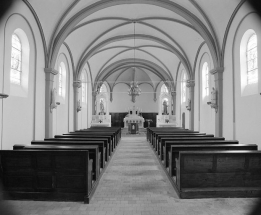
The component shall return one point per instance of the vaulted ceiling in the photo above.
(141, 40)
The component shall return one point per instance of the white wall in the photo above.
(204, 114)
(122, 101)
(246, 107)
(20, 115)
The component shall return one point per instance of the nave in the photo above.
(134, 182)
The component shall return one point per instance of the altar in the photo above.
(134, 116)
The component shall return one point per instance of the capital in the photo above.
(50, 71)
(217, 70)
(77, 84)
(173, 93)
(190, 83)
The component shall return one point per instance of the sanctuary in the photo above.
(134, 116)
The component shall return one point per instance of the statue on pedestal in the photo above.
(165, 107)
(102, 112)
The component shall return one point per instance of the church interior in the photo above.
(119, 83)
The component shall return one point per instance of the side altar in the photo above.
(134, 116)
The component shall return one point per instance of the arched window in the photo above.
(164, 89)
(205, 80)
(183, 87)
(83, 89)
(251, 52)
(103, 89)
(62, 80)
(60, 83)
(16, 60)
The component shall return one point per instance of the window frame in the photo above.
(19, 82)
(248, 55)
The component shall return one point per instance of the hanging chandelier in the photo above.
(134, 89)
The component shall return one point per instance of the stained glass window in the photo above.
(183, 87)
(103, 89)
(16, 60)
(83, 89)
(60, 81)
(252, 72)
(207, 80)
(164, 89)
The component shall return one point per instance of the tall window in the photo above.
(205, 80)
(164, 89)
(183, 87)
(252, 72)
(16, 60)
(103, 89)
(83, 89)
(60, 82)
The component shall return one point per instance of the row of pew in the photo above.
(200, 165)
(67, 167)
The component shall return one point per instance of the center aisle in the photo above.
(134, 182)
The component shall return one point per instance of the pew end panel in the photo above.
(219, 174)
(46, 175)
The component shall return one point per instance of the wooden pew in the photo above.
(46, 175)
(92, 135)
(159, 137)
(168, 144)
(116, 129)
(52, 145)
(99, 132)
(104, 146)
(165, 142)
(156, 134)
(150, 130)
(175, 149)
(218, 174)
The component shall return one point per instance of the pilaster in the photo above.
(218, 76)
(49, 80)
(76, 86)
(191, 86)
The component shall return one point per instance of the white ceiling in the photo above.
(101, 33)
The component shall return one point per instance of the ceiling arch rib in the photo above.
(144, 46)
(191, 18)
(154, 68)
(127, 23)
(157, 59)
(126, 37)
(131, 20)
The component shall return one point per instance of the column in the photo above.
(218, 76)
(173, 96)
(191, 85)
(76, 86)
(94, 105)
(49, 80)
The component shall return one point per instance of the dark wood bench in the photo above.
(162, 144)
(168, 144)
(155, 135)
(116, 129)
(104, 146)
(92, 135)
(99, 132)
(180, 136)
(219, 174)
(52, 145)
(46, 175)
(175, 149)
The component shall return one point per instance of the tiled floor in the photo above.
(135, 183)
